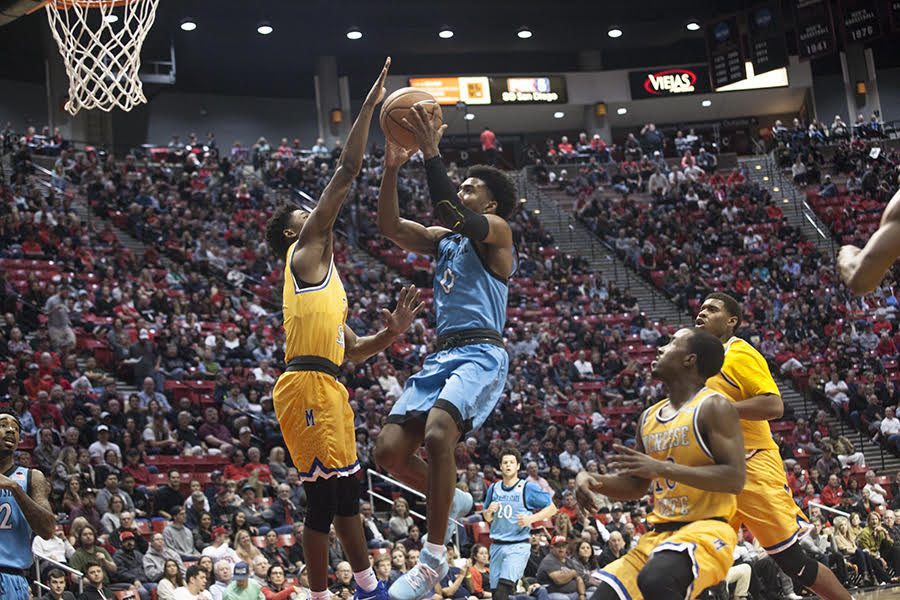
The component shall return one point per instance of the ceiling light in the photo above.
(469, 116)
(524, 33)
(706, 103)
(264, 28)
(445, 33)
(111, 18)
(759, 167)
(692, 25)
(775, 189)
(614, 32)
(523, 200)
(354, 33)
(188, 24)
(559, 114)
(536, 211)
(621, 110)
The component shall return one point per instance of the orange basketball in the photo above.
(397, 106)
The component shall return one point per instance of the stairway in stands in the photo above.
(555, 210)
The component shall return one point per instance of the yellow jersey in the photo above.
(674, 436)
(743, 375)
(314, 316)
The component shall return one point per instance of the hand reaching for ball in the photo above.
(376, 94)
(395, 156)
(428, 129)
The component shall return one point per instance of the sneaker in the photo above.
(461, 506)
(419, 582)
(379, 593)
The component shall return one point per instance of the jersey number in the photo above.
(660, 482)
(505, 511)
(447, 280)
(5, 516)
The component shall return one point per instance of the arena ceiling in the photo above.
(225, 54)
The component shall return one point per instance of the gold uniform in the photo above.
(765, 506)
(312, 407)
(688, 519)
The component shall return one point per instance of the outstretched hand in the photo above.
(395, 156)
(408, 306)
(427, 129)
(585, 489)
(376, 94)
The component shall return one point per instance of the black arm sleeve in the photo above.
(447, 205)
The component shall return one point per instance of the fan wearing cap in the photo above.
(242, 586)
(24, 510)
(513, 505)
(311, 405)
(689, 450)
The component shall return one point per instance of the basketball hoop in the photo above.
(100, 42)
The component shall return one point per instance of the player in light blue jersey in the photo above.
(24, 507)
(513, 504)
(461, 381)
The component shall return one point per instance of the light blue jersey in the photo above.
(15, 532)
(522, 497)
(467, 295)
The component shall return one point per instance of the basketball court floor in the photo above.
(889, 594)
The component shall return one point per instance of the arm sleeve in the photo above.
(447, 206)
(535, 498)
(748, 369)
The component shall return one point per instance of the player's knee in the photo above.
(797, 565)
(441, 433)
(388, 454)
(666, 575)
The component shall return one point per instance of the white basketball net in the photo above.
(101, 48)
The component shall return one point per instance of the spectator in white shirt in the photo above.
(568, 460)
(532, 470)
(836, 390)
(56, 548)
(584, 367)
(194, 587)
(890, 428)
(876, 492)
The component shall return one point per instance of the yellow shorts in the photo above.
(709, 544)
(766, 506)
(317, 424)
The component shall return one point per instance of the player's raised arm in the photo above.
(720, 427)
(323, 216)
(358, 349)
(409, 235)
(488, 228)
(862, 270)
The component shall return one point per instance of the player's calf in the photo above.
(797, 565)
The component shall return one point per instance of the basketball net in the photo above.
(100, 43)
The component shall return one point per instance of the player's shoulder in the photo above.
(737, 349)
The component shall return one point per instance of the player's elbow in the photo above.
(734, 483)
(775, 407)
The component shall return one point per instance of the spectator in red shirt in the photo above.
(35, 383)
(565, 147)
(238, 469)
(43, 407)
(570, 505)
(135, 468)
(833, 492)
(489, 146)
(253, 464)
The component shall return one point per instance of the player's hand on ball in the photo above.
(634, 463)
(376, 94)
(408, 306)
(428, 129)
(395, 156)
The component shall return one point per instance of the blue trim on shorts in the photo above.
(803, 527)
(318, 466)
(613, 582)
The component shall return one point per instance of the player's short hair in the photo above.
(709, 350)
(11, 413)
(732, 306)
(510, 451)
(500, 185)
(278, 244)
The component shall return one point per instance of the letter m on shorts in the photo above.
(310, 418)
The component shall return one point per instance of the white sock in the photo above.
(366, 580)
(323, 595)
(438, 550)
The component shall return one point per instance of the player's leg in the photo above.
(320, 506)
(395, 452)
(666, 576)
(441, 435)
(508, 562)
(349, 529)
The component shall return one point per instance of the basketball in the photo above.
(397, 106)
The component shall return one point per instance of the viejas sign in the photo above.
(676, 81)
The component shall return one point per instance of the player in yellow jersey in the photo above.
(311, 405)
(765, 505)
(689, 450)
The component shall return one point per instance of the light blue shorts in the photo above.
(466, 382)
(13, 587)
(508, 561)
